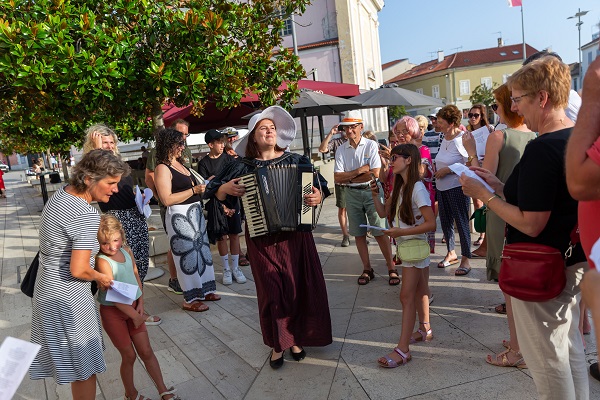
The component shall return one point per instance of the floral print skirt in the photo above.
(186, 228)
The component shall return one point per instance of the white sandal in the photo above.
(138, 397)
(172, 391)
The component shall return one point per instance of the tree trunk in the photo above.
(157, 119)
(65, 165)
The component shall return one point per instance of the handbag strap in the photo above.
(575, 239)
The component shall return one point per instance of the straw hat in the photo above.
(284, 123)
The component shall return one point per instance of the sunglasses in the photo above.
(433, 118)
(473, 115)
(394, 157)
(495, 107)
(181, 143)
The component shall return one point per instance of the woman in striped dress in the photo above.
(65, 320)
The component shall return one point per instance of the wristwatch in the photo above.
(471, 158)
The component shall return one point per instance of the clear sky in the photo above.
(418, 29)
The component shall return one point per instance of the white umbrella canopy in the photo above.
(392, 95)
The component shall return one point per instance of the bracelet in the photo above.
(491, 198)
(350, 180)
(193, 193)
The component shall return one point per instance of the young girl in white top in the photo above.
(124, 323)
(409, 207)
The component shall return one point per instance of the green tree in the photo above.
(65, 64)
(395, 113)
(483, 95)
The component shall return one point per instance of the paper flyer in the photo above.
(373, 227)
(142, 201)
(121, 292)
(16, 356)
(481, 135)
(460, 169)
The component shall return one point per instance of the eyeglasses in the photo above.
(348, 127)
(473, 115)
(394, 157)
(181, 143)
(433, 118)
(402, 131)
(495, 107)
(517, 99)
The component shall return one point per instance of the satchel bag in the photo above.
(413, 250)
(478, 218)
(532, 272)
(28, 282)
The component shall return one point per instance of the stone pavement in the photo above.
(219, 354)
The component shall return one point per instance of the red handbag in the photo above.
(532, 272)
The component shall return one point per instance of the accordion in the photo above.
(274, 199)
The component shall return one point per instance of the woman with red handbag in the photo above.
(540, 216)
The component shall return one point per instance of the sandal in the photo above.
(172, 391)
(506, 344)
(196, 306)
(138, 397)
(425, 336)
(366, 276)
(500, 308)
(462, 271)
(443, 240)
(211, 297)
(447, 263)
(394, 280)
(153, 320)
(478, 241)
(387, 362)
(502, 359)
(243, 262)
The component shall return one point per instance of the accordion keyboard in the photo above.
(256, 220)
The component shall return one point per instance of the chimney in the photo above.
(440, 56)
(500, 42)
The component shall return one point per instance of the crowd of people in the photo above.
(392, 193)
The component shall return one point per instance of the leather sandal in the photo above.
(171, 391)
(366, 276)
(211, 297)
(502, 359)
(196, 306)
(394, 280)
(138, 397)
(387, 362)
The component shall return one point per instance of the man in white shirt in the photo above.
(356, 163)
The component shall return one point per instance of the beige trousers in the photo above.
(551, 343)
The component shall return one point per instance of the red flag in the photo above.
(515, 3)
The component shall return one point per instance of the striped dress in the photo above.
(65, 320)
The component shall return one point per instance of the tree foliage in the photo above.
(483, 95)
(65, 64)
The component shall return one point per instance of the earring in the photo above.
(541, 106)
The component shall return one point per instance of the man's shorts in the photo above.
(361, 211)
(340, 196)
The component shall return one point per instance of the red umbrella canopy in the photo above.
(212, 118)
(330, 88)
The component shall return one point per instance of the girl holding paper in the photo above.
(409, 207)
(122, 205)
(124, 323)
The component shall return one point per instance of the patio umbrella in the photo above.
(392, 95)
(314, 104)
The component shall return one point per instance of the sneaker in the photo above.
(345, 241)
(227, 280)
(174, 286)
(238, 275)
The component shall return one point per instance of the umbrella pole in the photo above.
(304, 128)
(321, 133)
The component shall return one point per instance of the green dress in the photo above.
(510, 154)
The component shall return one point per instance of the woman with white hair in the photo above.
(290, 288)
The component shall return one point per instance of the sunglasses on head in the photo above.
(473, 115)
(394, 157)
(495, 107)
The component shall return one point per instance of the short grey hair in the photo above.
(102, 129)
(97, 165)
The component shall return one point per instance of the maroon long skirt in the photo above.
(291, 292)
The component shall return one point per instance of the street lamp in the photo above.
(578, 25)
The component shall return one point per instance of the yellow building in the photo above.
(453, 78)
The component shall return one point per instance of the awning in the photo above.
(212, 118)
(330, 88)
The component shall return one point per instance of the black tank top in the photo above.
(181, 183)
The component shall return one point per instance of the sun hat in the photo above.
(284, 123)
(351, 117)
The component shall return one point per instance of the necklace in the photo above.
(184, 173)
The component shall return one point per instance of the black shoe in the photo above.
(276, 364)
(298, 356)
(594, 371)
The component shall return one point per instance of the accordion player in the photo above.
(274, 199)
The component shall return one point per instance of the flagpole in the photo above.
(523, 31)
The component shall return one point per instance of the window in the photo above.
(419, 90)
(435, 91)
(590, 54)
(287, 25)
(465, 87)
(486, 82)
